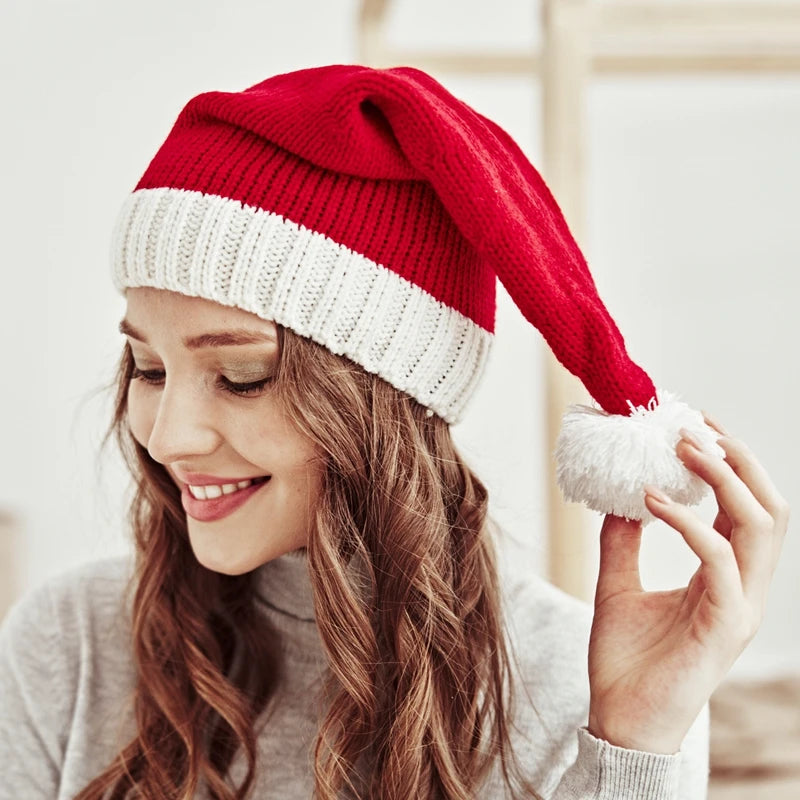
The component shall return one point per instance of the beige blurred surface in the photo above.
(755, 740)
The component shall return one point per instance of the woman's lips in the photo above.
(217, 507)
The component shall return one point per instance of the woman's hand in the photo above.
(656, 657)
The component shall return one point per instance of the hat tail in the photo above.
(498, 199)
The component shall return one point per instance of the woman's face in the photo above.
(185, 407)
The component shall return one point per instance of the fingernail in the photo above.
(692, 439)
(715, 424)
(657, 494)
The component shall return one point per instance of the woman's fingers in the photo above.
(713, 423)
(722, 524)
(748, 468)
(752, 526)
(745, 464)
(732, 493)
(620, 541)
(714, 551)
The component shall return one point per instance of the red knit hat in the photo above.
(372, 211)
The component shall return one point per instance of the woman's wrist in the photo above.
(620, 736)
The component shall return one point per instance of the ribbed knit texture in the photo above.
(612, 772)
(205, 246)
(392, 167)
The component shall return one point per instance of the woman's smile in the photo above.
(207, 487)
(217, 503)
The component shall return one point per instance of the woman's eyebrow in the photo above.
(225, 338)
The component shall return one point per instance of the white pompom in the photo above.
(605, 460)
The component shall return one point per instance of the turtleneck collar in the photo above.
(284, 583)
(283, 586)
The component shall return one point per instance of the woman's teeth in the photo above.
(211, 491)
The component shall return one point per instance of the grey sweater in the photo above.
(66, 675)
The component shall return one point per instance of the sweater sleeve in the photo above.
(37, 687)
(603, 771)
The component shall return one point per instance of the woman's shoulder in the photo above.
(84, 602)
(94, 587)
(548, 627)
(66, 670)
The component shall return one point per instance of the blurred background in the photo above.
(667, 130)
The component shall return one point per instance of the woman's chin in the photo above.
(221, 554)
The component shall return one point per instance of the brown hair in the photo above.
(418, 700)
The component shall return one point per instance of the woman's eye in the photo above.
(153, 376)
(254, 387)
(156, 377)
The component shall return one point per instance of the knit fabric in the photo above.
(203, 245)
(372, 211)
(66, 676)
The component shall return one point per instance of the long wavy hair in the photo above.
(419, 688)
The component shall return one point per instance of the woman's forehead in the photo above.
(163, 310)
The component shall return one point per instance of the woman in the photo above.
(309, 267)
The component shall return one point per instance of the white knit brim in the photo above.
(208, 246)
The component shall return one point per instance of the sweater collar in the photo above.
(283, 587)
(284, 584)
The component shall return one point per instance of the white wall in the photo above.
(692, 235)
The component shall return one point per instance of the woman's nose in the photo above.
(184, 426)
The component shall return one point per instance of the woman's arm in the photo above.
(549, 635)
(66, 676)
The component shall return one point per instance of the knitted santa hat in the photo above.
(372, 211)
